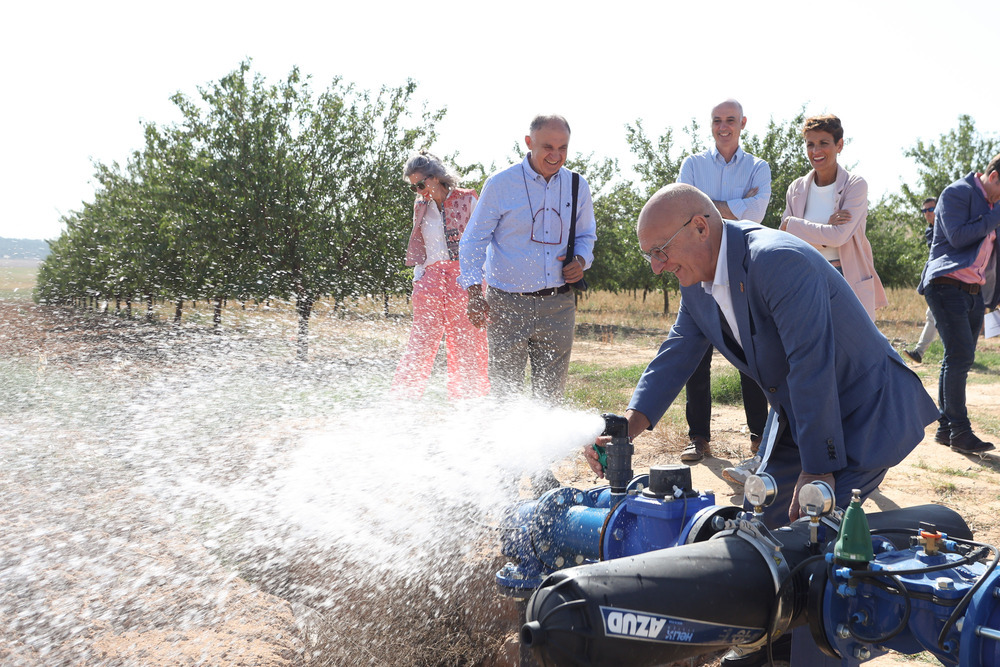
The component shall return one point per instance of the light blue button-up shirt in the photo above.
(519, 228)
(729, 181)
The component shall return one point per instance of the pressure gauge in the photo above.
(760, 490)
(816, 499)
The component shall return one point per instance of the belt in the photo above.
(971, 288)
(562, 289)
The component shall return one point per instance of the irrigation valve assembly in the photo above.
(648, 570)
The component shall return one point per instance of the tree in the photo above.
(299, 195)
(897, 242)
(781, 146)
(955, 154)
(263, 190)
(656, 168)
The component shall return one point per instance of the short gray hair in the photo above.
(428, 164)
(541, 120)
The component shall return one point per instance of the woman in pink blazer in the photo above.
(828, 208)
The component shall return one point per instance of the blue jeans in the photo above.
(959, 317)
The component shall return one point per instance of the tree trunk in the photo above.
(118, 304)
(128, 307)
(666, 302)
(303, 307)
(217, 315)
(177, 311)
(385, 301)
(149, 307)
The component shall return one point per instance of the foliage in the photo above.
(269, 190)
(897, 241)
(262, 191)
(955, 154)
(781, 147)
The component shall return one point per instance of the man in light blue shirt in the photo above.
(739, 185)
(514, 245)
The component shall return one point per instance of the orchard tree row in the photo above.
(272, 191)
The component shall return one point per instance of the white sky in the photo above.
(78, 77)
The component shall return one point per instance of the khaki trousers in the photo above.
(535, 329)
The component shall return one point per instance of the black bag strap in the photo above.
(571, 243)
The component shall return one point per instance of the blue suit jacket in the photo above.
(849, 398)
(962, 219)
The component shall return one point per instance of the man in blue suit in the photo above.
(959, 282)
(848, 406)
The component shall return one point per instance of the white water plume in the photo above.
(145, 473)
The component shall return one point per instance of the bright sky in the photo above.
(78, 77)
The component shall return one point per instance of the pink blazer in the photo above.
(855, 250)
(458, 208)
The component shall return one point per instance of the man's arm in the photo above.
(586, 226)
(955, 219)
(753, 205)
(477, 236)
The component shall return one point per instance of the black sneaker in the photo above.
(781, 651)
(969, 443)
(914, 355)
(943, 436)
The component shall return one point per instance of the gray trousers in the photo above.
(535, 329)
(928, 334)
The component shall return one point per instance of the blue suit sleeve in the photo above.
(955, 220)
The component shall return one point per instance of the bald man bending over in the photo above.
(848, 407)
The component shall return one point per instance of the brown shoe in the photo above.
(696, 450)
(754, 444)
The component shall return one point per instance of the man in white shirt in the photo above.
(516, 244)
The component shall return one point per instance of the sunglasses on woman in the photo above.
(419, 185)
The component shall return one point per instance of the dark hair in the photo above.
(824, 123)
(541, 120)
(929, 200)
(427, 164)
(994, 165)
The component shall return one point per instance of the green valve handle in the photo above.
(602, 456)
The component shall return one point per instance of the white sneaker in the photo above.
(739, 473)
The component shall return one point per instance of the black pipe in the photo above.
(620, 450)
(688, 600)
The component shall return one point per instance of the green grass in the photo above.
(987, 363)
(16, 281)
(601, 387)
(607, 388)
(948, 470)
(945, 489)
(726, 387)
